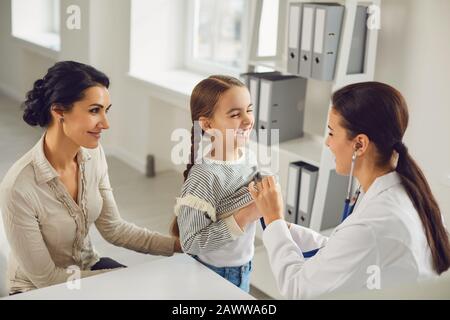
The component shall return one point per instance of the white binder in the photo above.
(252, 81)
(356, 60)
(308, 182)
(295, 11)
(306, 43)
(293, 184)
(327, 30)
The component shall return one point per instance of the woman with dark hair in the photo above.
(395, 234)
(53, 194)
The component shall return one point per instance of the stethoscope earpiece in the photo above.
(348, 206)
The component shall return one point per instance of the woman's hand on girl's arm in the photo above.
(268, 199)
(177, 246)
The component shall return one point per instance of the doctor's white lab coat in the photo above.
(381, 244)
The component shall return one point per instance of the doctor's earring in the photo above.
(61, 120)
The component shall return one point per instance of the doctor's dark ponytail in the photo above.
(418, 189)
(380, 112)
(63, 85)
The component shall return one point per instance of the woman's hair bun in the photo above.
(35, 112)
(63, 85)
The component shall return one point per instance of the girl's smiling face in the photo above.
(233, 118)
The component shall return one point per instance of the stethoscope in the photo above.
(349, 203)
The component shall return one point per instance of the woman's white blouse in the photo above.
(48, 231)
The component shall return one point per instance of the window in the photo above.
(156, 34)
(217, 36)
(37, 21)
(268, 29)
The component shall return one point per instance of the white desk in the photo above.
(173, 278)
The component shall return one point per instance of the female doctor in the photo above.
(395, 234)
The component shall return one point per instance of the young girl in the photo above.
(215, 212)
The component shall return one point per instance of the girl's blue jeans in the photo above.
(239, 276)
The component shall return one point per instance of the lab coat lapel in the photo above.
(380, 185)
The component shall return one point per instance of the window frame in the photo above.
(49, 39)
(208, 67)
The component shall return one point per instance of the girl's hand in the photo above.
(247, 215)
(177, 246)
(268, 199)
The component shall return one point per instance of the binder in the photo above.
(245, 79)
(358, 47)
(281, 107)
(334, 200)
(306, 43)
(295, 10)
(307, 190)
(327, 31)
(252, 81)
(292, 195)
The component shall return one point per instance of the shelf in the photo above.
(276, 65)
(307, 148)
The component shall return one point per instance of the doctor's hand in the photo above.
(268, 199)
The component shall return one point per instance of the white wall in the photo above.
(144, 122)
(141, 122)
(160, 47)
(412, 55)
(18, 67)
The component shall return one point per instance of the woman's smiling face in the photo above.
(339, 143)
(84, 123)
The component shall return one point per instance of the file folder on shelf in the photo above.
(295, 11)
(308, 183)
(292, 194)
(252, 81)
(327, 31)
(356, 60)
(245, 79)
(281, 107)
(306, 42)
(301, 188)
(334, 198)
